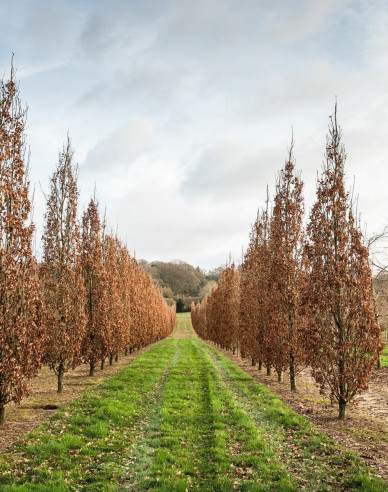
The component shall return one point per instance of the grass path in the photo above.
(181, 417)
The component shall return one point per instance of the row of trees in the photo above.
(88, 299)
(303, 295)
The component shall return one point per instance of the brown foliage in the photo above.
(344, 335)
(217, 317)
(255, 282)
(20, 325)
(95, 345)
(61, 281)
(114, 328)
(287, 278)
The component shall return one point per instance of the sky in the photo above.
(181, 111)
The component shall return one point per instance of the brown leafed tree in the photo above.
(261, 278)
(61, 280)
(216, 318)
(123, 265)
(116, 301)
(286, 241)
(95, 343)
(229, 285)
(198, 318)
(21, 334)
(344, 335)
(254, 294)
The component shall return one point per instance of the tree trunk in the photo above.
(61, 372)
(117, 358)
(2, 415)
(342, 409)
(379, 366)
(292, 372)
(126, 352)
(280, 376)
(111, 359)
(91, 370)
(253, 361)
(268, 370)
(102, 364)
(260, 365)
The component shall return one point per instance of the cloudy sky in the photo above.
(180, 111)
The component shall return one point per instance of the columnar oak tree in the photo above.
(61, 280)
(344, 335)
(254, 293)
(230, 284)
(123, 266)
(95, 343)
(217, 317)
(262, 285)
(114, 328)
(287, 276)
(199, 314)
(21, 334)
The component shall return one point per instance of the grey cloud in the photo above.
(228, 170)
(120, 148)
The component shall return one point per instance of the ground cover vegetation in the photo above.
(181, 417)
(384, 357)
(87, 299)
(303, 296)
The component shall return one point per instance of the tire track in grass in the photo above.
(206, 442)
(181, 447)
(315, 460)
(243, 459)
(144, 448)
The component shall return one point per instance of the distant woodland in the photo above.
(180, 282)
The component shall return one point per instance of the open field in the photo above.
(181, 416)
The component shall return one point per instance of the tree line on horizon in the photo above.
(88, 299)
(181, 283)
(303, 296)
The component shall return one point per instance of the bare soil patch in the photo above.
(44, 400)
(365, 429)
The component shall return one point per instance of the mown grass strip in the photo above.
(84, 446)
(186, 449)
(315, 460)
(245, 460)
(205, 441)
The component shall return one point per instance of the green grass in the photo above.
(181, 417)
(384, 357)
